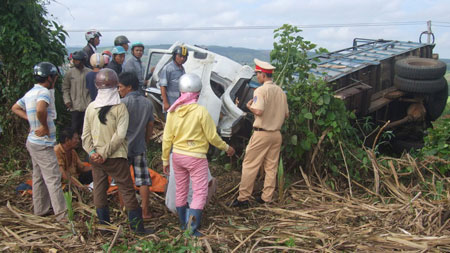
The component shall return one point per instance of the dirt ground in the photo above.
(310, 218)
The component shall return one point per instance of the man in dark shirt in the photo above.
(97, 62)
(75, 94)
(118, 58)
(93, 40)
(140, 129)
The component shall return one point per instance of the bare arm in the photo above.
(80, 165)
(61, 169)
(149, 132)
(257, 112)
(164, 98)
(19, 111)
(41, 114)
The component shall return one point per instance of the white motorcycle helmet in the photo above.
(97, 60)
(91, 34)
(190, 83)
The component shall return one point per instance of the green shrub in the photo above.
(27, 37)
(318, 121)
(437, 142)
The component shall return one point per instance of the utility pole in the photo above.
(429, 33)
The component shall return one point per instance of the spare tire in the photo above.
(435, 103)
(419, 86)
(420, 68)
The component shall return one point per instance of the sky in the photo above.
(330, 24)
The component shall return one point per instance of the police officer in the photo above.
(269, 105)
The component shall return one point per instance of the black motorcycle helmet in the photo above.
(120, 40)
(80, 56)
(43, 70)
(180, 50)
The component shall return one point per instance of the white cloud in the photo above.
(139, 14)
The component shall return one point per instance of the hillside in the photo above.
(238, 54)
(447, 61)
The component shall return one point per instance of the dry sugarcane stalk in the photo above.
(119, 230)
(246, 239)
(346, 167)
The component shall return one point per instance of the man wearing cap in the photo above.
(118, 58)
(38, 108)
(134, 64)
(93, 40)
(122, 41)
(269, 105)
(169, 76)
(75, 94)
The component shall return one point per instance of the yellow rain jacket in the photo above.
(189, 130)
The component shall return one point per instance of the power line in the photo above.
(223, 28)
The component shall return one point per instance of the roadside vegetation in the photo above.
(336, 190)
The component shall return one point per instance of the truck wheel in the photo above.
(436, 103)
(419, 86)
(420, 68)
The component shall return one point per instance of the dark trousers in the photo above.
(77, 121)
(86, 177)
(119, 170)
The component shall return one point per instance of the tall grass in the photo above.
(280, 177)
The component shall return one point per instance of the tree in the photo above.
(27, 37)
(318, 120)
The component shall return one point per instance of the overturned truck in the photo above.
(398, 84)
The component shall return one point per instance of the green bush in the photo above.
(437, 142)
(27, 37)
(318, 121)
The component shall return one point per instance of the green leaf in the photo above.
(308, 115)
(330, 135)
(294, 140)
(305, 144)
(326, 99)
(320, 101)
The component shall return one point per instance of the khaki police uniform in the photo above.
(264, 146)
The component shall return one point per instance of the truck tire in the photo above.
(419, 86)
(420, 68)
(435, 103)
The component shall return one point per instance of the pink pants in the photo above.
(197, 169)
